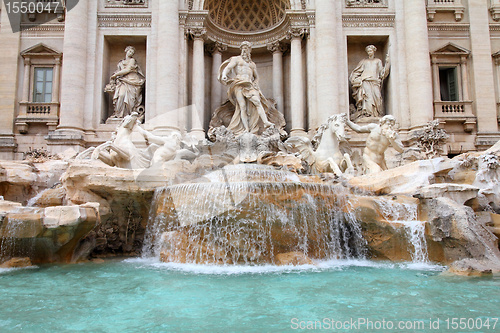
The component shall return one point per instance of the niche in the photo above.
(356, 51)
(113, 53)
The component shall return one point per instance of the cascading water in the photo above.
(406, 214)
(16, 238)
(248, 214)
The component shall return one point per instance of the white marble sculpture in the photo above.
(382, 135)
(126, 84)
(122, 152)
(327, 157)
(251, 107)
(366, 80)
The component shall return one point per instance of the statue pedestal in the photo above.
(114, 121)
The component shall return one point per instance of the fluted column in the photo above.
(74, 75)
(198, 90)
(419, 75)
(326, 34)
(482, 75)
(167, 85)
(277, 50)
(216, 91)
(297, 83)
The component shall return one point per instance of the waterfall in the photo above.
(16, 238)
(247, 214)
(406, 214)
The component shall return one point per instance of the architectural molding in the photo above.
(368, 21)
(124, 21)
(43, 30)
(461, 30)
(293, 21)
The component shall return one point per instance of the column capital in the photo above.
(297, 33)
(276, 47)
(197, 32)
(27, 61)
(216, 47)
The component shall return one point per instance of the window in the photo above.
(42, 90)
(448, 84)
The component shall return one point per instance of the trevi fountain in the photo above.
(250, 228)
(256, 224)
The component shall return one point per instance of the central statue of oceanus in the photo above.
(247, 111)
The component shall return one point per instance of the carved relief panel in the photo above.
(125, 3)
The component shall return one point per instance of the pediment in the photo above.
(40, 50)
(451, 49)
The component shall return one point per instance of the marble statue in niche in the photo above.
(126, 85)
(366, 80)
(251, 111)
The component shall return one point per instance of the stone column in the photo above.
(183, 75)
(297, 84)
(9, 60)
(26, 80)
(419, 76)
(277, 50)
(486, 109)
(326, 51)
(313, 120)
(198, 90)
(465, 78)
(435, 80)
(216, 91)
(56, 80)
(74, 75)
(167, 85)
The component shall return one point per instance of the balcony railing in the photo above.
(455, 6)
(44, 113)
(456, 112)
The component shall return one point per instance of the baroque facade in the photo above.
(444, 65)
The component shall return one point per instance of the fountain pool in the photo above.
(143, 295)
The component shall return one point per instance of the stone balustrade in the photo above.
(456, 112)
(45, 113)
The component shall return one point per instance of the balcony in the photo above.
(460, 112)
(42, 113)
(455, 6)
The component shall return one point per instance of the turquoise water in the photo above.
(138, 295)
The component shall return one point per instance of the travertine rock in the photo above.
(46, 235)
(17, 263)
(406, 179)
(292, 258)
